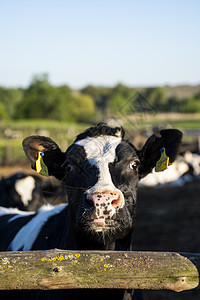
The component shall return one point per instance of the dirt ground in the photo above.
(168, 219)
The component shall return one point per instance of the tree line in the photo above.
(42, 100)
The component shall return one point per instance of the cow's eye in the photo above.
(68, 168)
(134, 164)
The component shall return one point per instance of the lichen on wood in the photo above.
(61, 269)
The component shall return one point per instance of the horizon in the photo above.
(173, 85)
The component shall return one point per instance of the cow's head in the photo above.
(101, 171)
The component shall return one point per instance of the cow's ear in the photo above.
(45, 155)
(167, 142)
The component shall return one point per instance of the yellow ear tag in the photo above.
(41, 168)
(163, 162)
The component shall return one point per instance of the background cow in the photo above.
(185, 169)
(100, 170)
(28, 192)
(21, 191)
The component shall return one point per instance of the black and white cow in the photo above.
(100, 170)
(22, 191)
(28, 192)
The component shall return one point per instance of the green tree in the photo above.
(38, 84)
(100, 96)
(192, 105)
(82, 108)
(120, 99)
(156, 97)
(36, 99)
(123, 90)
(44, 101)
(116, 103)
(9, 98)
(3, 114)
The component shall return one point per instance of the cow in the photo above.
(185, 169)
(29, 192)
(100, 171)
(21, 191)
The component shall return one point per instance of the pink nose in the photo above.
(105, 203)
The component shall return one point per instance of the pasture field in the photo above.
(181, 121)
(63, 133)
(175, 120)
(13, 132)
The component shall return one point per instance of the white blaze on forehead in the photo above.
(100, 152)
(24, 188)
(100, 148)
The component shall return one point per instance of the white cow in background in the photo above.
(183, 170)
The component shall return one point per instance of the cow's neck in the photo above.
(80, 242)
(69, 238)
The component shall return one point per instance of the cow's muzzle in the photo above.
(104, 205)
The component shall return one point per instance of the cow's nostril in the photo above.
(116, 202)
(89, 201)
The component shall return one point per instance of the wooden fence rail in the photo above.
(61, 269)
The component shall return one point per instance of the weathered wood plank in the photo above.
(61, 269)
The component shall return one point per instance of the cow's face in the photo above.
(104, 172)
(101, 172)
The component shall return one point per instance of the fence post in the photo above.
(61, 269)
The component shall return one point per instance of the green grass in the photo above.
(143, 122)
(42, 124)
(63, 133)
(187, 124)
(11, 151)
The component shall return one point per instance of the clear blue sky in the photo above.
(103, 42)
